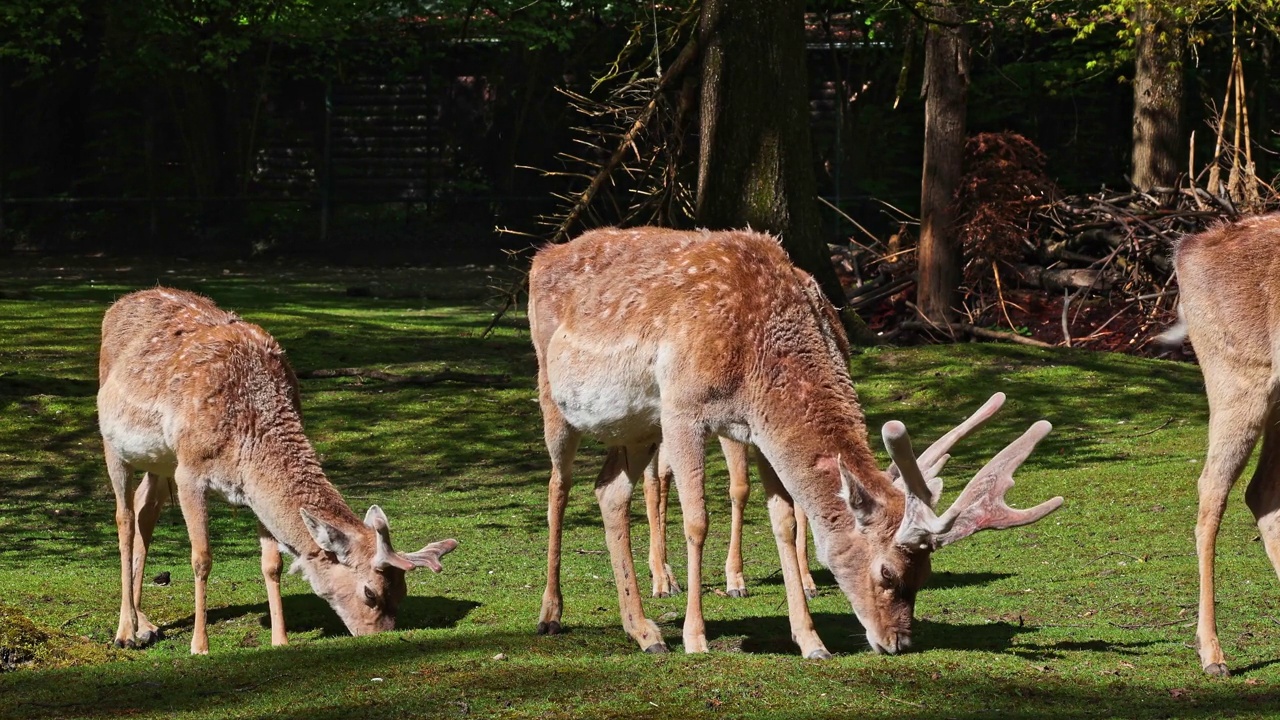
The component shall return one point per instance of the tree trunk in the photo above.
(1158, 149)
(945, 91)
(756, 165)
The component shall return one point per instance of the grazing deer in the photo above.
(191, 393)
(657, 482)
(1229, 307)
(651, 335)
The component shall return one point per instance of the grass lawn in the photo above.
(1089, 613)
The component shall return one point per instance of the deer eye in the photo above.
(370, 598)
(886, 574)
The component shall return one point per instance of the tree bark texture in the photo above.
(755, 165)
(945, 91)
(1158, 147)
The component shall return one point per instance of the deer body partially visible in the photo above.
(649, 335)
(1229, 303)
(195, 395)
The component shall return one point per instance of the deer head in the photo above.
(358, 572)
(896, 533)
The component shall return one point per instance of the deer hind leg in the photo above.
(195, 510)
(1263, 493)
(802, 554)
(562, 444)
(1237, 411)
(657, 488)
(121, 476)
(623, 467)
(148, 501)
(735, 456)
(782, 516)
(271, 567)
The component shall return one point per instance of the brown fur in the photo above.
(1230, 303)
(651, 334)
(195, 394)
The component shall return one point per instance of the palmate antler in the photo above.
(981, 505)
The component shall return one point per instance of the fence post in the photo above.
(326, 166)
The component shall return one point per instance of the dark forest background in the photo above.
(373, 132)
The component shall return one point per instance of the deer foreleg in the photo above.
(271, 567)
(802, 554)
(613, 492)
(782, 517)
(735, 456)
(685, 451)
(192, 500)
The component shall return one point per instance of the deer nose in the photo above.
(891, 644)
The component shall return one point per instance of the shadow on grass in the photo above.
(426, 676)
(307, 613)
(842, 633)
(938, 581)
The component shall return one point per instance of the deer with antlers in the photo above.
(651, 335)
(1229, 307)
(195, 395)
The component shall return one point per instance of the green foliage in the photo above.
(1086, 614)
(34, 32)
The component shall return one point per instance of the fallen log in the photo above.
(1058, 279)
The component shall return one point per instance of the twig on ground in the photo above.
(1162, 426)
(464, 378)
(982, 333)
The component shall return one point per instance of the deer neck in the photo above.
(287, 478)
(809, 422)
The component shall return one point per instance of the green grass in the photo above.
(1086, 614)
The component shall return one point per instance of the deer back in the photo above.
(1228, 293)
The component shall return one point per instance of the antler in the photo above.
(387, 557)
(935, 458)
(981, 505)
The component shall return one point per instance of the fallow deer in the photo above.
(651, 335)
(193, 394)
(1229, 307)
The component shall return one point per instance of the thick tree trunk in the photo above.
(1158, 148)
(946, 88)
(755, 166)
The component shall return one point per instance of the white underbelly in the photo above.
(612, 396)
(145, 451)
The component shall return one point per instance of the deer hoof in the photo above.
(149, 637)
(811, 593)
(550, 627)
(657, 649)
(737, 593)
(124, 644)
(662, 594)
(1216, 670)
(819, 654)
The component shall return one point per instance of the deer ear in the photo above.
(327, 536)
(865, 508)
